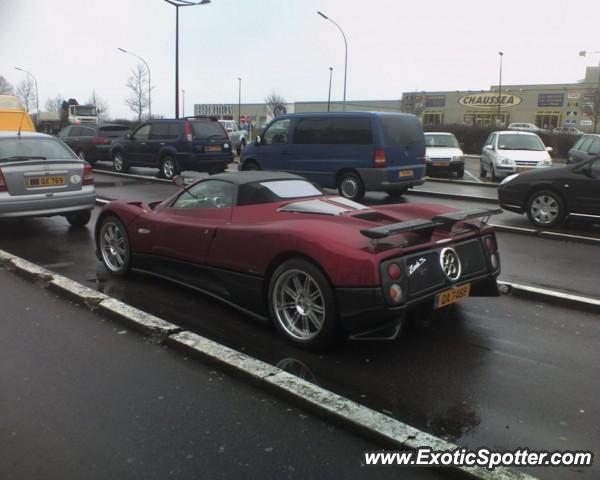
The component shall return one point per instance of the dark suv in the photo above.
(92, 142)
(192, 143)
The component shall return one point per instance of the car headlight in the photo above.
(509, 178)
(505, 161)
(458, 158)
(547, 162)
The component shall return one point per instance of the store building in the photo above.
(546, 106)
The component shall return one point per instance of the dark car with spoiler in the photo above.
(318, 266)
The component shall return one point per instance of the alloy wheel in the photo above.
(114, 246)
(544, 209)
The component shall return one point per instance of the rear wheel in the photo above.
(302, 304)
(350, 186)
(79, 219)
(250, 165)
(397, 194)
(119, 163)
(169, 167)
(546, 209)
(113, 243)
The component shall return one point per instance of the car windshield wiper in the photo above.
(22, 157)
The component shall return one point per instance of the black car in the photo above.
(549, 195)
(92, 142)
(192, 143)
(587, 146)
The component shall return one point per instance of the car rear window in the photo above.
(401, 130)
(274, 191)
(203, 129)
(34, 147)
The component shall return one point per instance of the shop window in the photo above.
(431, 119)
(547, 120)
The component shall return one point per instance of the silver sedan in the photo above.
(41, 177)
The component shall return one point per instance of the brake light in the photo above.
(187, 128)
(394, 271)
(380, 158)
(88, 175)
(3, 187)
(100, 141)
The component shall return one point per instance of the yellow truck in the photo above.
(13, 117)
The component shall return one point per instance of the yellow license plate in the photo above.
(441, 164)
(213, 148)
(452, 296)
(523, 169)
(35, 182)
(406, 173)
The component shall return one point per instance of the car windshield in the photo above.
(440, 141)
(203, 129)
(85, 111)
(45, 147)
(519, 142)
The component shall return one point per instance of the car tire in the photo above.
(250, 165)
(79, 219)
(493, 173)
(396, 194)
(482, 172)
(350, 186)
(81, 154)
(460, 172)
(168, 167)
(546, 209)
(242, 146)
(113, 246)
(120, 165)
(302, 305)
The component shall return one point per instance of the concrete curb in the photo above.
(546, 234)
(462, 182)
(563, 299)
(455, 196)
(317, 399)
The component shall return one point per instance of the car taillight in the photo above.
(187, 128)
(100, 141)
(394, 271)
(396, 293)
(88, 175)
(3, 187)
(380, 160)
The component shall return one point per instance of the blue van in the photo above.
(353, 152)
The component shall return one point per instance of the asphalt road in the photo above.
(84, 398)
(502, 372)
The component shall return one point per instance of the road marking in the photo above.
(589, 303)
(478, 180)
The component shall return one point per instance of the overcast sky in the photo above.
(283, 45)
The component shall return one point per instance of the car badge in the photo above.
(415, 266)
(450, 264)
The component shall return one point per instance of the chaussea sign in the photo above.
(485, 100)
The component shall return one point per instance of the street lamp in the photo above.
(596, 105)
(37, 98)
(329, 95)
(239, 100)
(345, 57)
(177, 4)
(500, 91)
(149, 82)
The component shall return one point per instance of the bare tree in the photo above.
(101, 105)
(273, 101)
(5, 87)
(26, 91)
(138, 84)
(55, 104)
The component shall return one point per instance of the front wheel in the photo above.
(460, 172)
(79, 219)
(546, 209)
(351, 187)
(113, 243)
(302, 304)
(482, 172)
(119, 163)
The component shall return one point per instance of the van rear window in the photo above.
(401, 130)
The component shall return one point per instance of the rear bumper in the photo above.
(453, 166)
(204, 162)
(42, 206)
(377, 179)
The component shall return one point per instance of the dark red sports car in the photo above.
(275, 246)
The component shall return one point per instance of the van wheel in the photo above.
(119, 163)
(351, 187)
(168, 167)
(250, 166)
(397, 194)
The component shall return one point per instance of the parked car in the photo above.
(13, 116)
(353, 152)
(41, 177)
(192, 143)
(92, 142)
(320, 264)
(525, 127)
(443, 153)
(551, 195)
(587, 146)
(506, 152)
(238, 137)
(567, 131)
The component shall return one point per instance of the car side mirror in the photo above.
(257, 140)
(488, 147)
(178, 180)
(549, 149)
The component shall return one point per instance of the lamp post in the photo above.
(177, 4)
(345, 56)
(183, 102)
(239, 100)
(596, 105)
(37, 98)
(149, 82)
(500, 91)
(329, 95)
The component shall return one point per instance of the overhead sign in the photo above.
(487, 100)
(551, 99)
(213, 110)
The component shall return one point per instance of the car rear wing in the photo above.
(421, 224)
